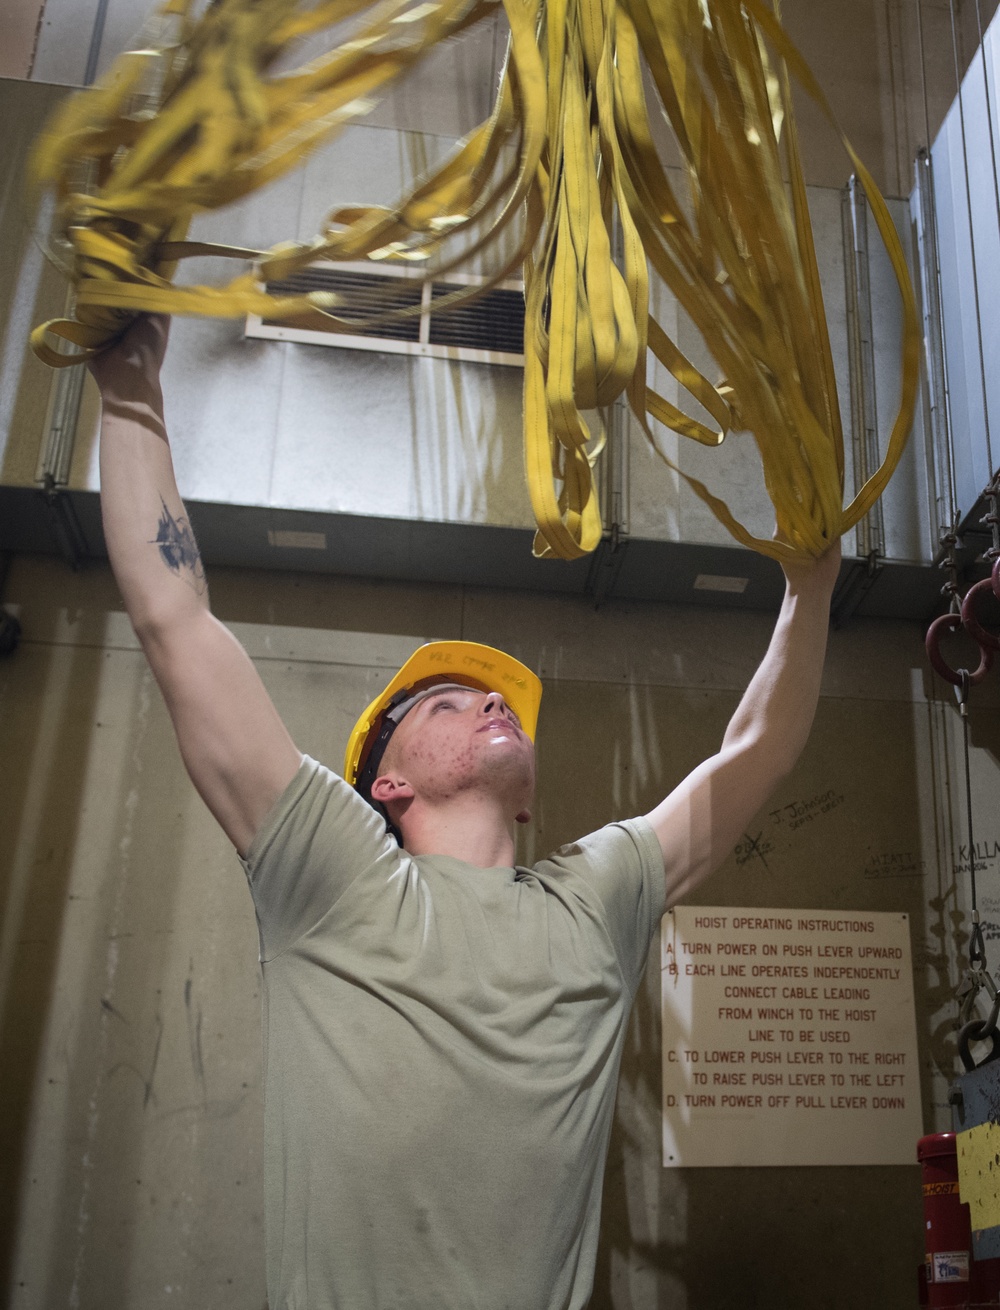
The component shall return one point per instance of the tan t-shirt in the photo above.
(442, 1046)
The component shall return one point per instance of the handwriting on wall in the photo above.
(755, 846)
(789, 1037)
(984, 852)
(894, 864)
(798, 813)
(989, 907)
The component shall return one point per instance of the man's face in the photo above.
(456, 740)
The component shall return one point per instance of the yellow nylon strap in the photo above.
(224, 127)
(744, 266)
(568, 154)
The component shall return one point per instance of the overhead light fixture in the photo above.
(719, 582)
(296, 540)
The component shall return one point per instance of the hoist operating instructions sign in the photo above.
(789, 1038)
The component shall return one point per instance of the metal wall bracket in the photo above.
(64, 524)
(854, 586)
(605, 566)
(615, 492)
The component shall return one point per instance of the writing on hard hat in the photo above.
(458, 663)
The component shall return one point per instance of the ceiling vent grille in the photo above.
(488, 330)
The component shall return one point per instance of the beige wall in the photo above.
(129, 1004)
(129, 998)
(19, 24)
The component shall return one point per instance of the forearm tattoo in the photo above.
(179, 550)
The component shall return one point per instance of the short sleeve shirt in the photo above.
(442, 1045)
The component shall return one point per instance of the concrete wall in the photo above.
(129, 1002)
(129, 1005)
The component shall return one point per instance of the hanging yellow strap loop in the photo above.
(567, 161)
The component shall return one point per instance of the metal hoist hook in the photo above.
(977, 978)
(962, 614)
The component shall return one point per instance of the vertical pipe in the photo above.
(940, 437)
(96, 38)
(923, 74)
(861, 357)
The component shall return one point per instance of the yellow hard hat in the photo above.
(464, 663)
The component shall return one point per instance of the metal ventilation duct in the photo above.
(486, 330)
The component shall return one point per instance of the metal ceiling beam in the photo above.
(463, 554)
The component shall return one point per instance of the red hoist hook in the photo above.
(961, 679)
(988, 641)
(962, 614)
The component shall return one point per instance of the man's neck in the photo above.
(470, 828)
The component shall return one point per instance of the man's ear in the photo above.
(389, 787)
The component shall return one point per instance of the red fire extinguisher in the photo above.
(953, 1277)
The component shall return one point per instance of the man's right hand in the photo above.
(127, 372)
(236, 749)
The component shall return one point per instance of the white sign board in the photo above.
(789, 1038)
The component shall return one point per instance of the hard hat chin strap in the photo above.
(399, 707)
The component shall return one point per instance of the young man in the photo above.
(442, 1030)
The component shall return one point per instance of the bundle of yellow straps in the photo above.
(568, 157)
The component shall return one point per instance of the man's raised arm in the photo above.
(701, 821)
(235, 747)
